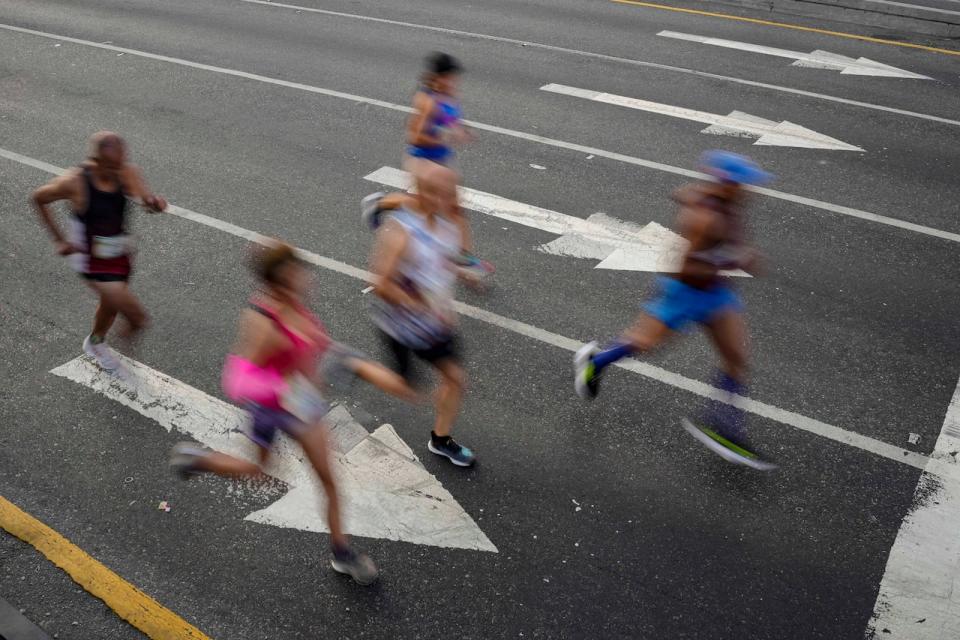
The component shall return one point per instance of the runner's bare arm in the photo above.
(390, 247)
(137, 187)
(63, 187)
(396, 200)
(257, 337)
(417, 126)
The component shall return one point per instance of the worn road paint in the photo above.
(128, 602)
(616, 244)
(919, 596)
(767, 132)
(385, 491)
(815, 59)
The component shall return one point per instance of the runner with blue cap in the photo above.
(710, 220)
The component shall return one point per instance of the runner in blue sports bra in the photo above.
(710, 220)
(433, 130)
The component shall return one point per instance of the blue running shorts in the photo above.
(679, 304)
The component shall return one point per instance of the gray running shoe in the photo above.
(183, 459)
(358, 566)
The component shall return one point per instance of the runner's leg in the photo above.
(317, 448)
(118, 298)
(589, 362)
(449, 395)
(103, 319)
(728, 332)
(345, 560)
(448, 398)
(226, 465)
(383, 378)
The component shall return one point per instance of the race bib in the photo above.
(303, 400)
(106, 247)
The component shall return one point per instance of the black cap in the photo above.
(441, 63)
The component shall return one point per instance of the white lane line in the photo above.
(530, 137)
(816, 59)
(385, 491)
(619, 245)
(919, 596)
(610, 58)
(916, 6)
(877, 447)
(767, 132)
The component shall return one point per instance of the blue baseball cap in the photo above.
(731, 167)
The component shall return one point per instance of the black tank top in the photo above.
(105, 210)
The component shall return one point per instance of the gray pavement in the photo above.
(853, 325)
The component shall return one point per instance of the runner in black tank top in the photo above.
(99, 230)
(98, 246)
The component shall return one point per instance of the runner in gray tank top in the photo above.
(414, 278)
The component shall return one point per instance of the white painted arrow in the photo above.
(919, 595)
(767, 132)
(815, 59)
(385, 492)
(617, 244)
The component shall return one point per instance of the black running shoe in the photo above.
(447, 447)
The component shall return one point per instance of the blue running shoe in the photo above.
(460, 456)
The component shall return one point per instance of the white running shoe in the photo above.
(104, 356)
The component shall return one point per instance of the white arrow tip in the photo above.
(867, 67)
(789, 134)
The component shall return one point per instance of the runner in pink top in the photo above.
(273, 373)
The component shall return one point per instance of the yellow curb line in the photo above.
(769, 23)
(128, 602)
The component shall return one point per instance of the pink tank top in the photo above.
(303, 348)
(244, 381)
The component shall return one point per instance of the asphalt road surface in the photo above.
(607, 520)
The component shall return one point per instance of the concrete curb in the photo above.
(891, 17)
(13, 626)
